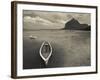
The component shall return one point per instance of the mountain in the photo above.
(73, 24)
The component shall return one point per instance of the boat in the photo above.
(32, 37)
(45, 51)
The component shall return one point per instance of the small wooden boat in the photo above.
(32, 37)
(45, 51)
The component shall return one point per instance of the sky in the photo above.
(51, 20)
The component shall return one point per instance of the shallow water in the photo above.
(70, 48)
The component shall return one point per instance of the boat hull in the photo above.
(45, 51)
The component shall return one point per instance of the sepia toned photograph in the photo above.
(53, 39)
(56, 39)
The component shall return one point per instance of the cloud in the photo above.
(37, 20)
(39, 23)
(53, 19)
(55, 16)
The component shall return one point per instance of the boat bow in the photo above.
(45, 51)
